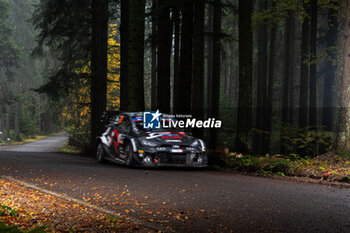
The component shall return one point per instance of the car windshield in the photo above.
(138, 125)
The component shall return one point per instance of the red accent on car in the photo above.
(115, 141)
(179, 133)
(171, 137)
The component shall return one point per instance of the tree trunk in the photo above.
(183, 99)
(228, 81)
(135, 43)
(17, 123)
(164, 52)
(198, 64)
(244, 120)
(288, 54)
(154, 56)
(262, 83)
(330, 74)
(292, 68)
(2, 127)
(304, 69)
(8, 122)
(39, 109)
(286, 69)
(209, 57)
(215, 84)
(342, 134)
(124, 32)
(313, 81)
(98, 66)
(271, 80)
(176, 20)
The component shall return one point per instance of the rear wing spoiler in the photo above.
(107, 116)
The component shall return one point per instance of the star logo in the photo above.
(151, 120)
(156, 116)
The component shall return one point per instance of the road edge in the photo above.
(297, 179)
(83, 203)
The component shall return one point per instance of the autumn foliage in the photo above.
(23, 209)
(76, 111)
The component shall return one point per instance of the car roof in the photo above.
(133, 114)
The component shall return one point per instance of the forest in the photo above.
(274, 71)
(263, 87)
(23, 112)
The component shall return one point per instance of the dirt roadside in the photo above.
(32, 209)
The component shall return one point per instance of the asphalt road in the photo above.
(185, 200)
(49, 144)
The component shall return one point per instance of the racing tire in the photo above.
(100, 153)
(129, 155)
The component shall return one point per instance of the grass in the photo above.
(66, 148)
(14, 229)
(58, 133)
(25, 141)
(30, 139)
(8, 211)
(329, 166)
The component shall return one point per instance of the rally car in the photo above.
(126, 141)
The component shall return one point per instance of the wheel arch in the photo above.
(132, 142)
(101, 139)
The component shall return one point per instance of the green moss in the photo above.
(14, 229)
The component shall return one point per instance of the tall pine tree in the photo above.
(244, 120)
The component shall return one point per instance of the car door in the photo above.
(123, 128)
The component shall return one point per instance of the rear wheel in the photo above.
(129, 155)
(100, 153)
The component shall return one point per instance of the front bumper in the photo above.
(168, 158)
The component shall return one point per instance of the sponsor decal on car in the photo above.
(173, 140)
(176, 150)
(157, 120)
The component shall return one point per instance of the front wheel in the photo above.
(100, 153)
(129, 155)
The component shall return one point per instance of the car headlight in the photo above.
(145, 142)
(203, 147)
(199, 144)
(195, 143)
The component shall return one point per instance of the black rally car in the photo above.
(125, 141)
